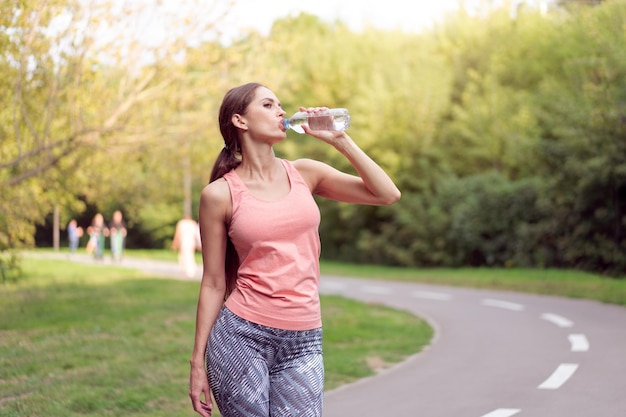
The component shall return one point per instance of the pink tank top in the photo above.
(279, 247)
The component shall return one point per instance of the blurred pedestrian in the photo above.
(117, 233)
(186, 242)
(97, 235)
(74, 233)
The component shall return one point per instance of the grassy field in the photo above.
(88, 340)
(566, 283)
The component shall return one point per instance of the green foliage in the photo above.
(10, 266)
(487, 212)
(159, 222)
(583, 148)
(473, 120)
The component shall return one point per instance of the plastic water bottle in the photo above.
(331, 119)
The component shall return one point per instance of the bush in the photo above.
(10, 266)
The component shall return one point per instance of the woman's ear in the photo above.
(239, 121)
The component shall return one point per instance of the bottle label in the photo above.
(321, 122)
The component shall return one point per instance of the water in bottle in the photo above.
(331, 119)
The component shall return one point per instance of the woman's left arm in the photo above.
(372, 186)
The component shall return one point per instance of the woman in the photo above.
(74, 233)
(118, 232)
(97, 234)
(262, 347)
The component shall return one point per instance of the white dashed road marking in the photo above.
(502, 304)
(428, 295)
(558, 320)
(579, 342)
(503, 412)
(560, 376)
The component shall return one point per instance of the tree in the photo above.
(583, 146)
(74, 90)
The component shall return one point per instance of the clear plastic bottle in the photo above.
(331, 119)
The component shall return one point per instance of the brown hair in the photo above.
(235, 101)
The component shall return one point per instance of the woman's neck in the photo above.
(259, 165)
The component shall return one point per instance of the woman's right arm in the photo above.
(213, 214)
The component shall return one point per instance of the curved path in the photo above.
(494, 354)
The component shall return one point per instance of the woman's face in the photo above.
(264, 115)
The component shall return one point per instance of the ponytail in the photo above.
(226, 161)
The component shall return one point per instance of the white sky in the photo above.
(159, 19)
(408, 15)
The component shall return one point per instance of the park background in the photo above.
(504, 127)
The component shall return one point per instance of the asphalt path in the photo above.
(494, 353)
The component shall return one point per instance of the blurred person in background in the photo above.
(186, 242)
(97, 232)
(74, 233)
(117, 233)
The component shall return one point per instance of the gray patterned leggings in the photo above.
(260, 371)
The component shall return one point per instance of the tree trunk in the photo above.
(56, 229)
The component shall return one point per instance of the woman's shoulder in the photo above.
(311, 167)
(216, 192)
(311, 171)
(306, 164)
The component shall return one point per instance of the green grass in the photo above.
(362, 338)
(154, 254)
(90, 340)
(566, 283)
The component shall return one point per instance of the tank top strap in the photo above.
(236, 186)
(294, 175)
